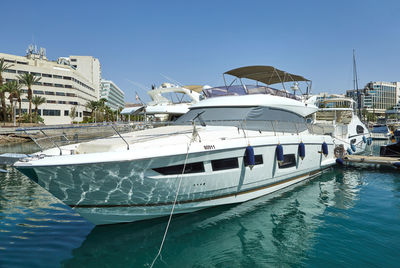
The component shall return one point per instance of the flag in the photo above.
(137, 97)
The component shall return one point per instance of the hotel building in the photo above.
(113, 94)
(66, 83)
(377, 97)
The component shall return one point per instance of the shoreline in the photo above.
(12, 138)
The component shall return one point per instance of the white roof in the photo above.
(262, 100)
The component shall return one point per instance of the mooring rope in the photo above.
(173, 206)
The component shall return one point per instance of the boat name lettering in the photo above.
(209, 147)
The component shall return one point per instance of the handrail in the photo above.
(52, 141)
(127, 144)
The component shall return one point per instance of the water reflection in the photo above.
(273, 230)
(33, 222)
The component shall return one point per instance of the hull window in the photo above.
(258, 160)
(289, 160)
(197, 167)
(359, 129)
(223, 164)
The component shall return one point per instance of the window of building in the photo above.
(68, 86)
(66, 78)
(5, 60)
(51, 101)
(36, 74)
(223, 164)
(37, 83)
(10, 71)
(70, 94)
(22, 62)
(48, 112)
(57, 76)
(178, 169)
(73, 60)
(80, 114)
(48, 84)
(60, 94)
(289, 160)
(49, 93)
(66, 113)
(22, 72)
(40, 92)
(47, 75)
(62, 102)
(58, 85)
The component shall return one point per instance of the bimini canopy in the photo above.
(132, 110)
(266, 74)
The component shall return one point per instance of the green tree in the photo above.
(92, 106)
(12, 87)
(18, 91)
(29, 80)
(72, 113)
(37, 101)
(3, 67)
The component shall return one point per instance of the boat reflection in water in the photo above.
(277, 229)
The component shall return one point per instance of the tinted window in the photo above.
(222, 164)
(178, 169)
(289, 160)
(258, 160)
(360, 129)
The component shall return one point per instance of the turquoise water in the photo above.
(345, 217)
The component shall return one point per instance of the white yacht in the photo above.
(225, 150)
(381, 132)
(337, 117)
(168, 102)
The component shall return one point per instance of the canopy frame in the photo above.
(268, 75)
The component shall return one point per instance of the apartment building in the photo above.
(66, 83)
(113, 94)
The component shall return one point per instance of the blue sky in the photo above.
(194, 42)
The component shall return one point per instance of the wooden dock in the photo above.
(375, 160)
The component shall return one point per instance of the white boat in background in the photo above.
(162, 107)
(381, 132)
(337, 117)
(225, 150)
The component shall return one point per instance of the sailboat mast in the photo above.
(355, 84)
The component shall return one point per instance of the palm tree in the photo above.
(29, 80)
(3, 67)
(92, 106)
(3, 90)
(12, 87)
(18, 91)
(37, 101)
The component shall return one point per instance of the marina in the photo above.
(330, 219)
(199, 134)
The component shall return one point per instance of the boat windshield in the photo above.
(252, 118)
(340, 116)
(248, 89)
(380, 129)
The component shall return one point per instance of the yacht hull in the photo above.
(124, 191)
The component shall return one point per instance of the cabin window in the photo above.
(258, 160)
(223, 164)
(360, 129)
(289, 160)
(178, 169)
